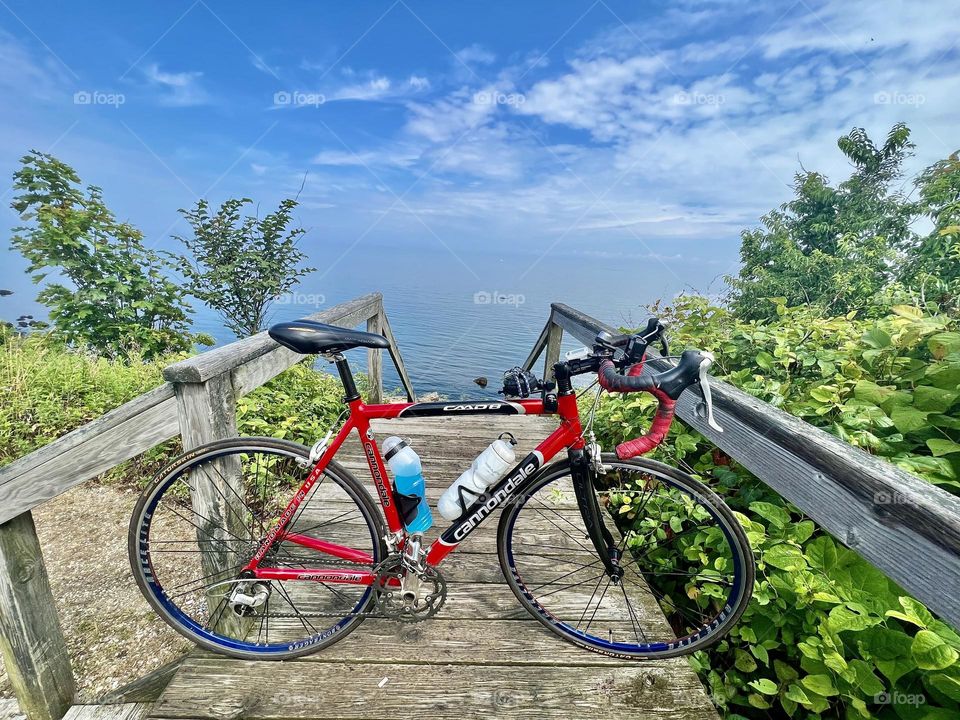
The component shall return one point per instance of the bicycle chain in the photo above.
(386, 568)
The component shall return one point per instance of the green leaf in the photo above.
(908, 419)
(820, 684)
(933, 399)
(940, 447)
(802, 530)
(764, 685)
(851, 616)
(834, 661)
(784, 672)
(765, 360)
(945, 376)
(876, 338)
(775, 514)
(886, 644)
(785, 557)
(868, 682)
(761, 654)
(871, 392)
(822, 553)
(796, 693)
(893, 670)
(931, 652)
(824, 394)
(949, 686)
(743, 661)
(944, 343)
(908, 311)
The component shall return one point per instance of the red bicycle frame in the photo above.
(567, 435)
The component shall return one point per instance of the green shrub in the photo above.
(47, 390)
(826, 634)
(300, 404)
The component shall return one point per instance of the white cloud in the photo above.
(475, 54)
(179, 89)
(25, 74)
(448, 118)
(367, 158)
(380, 88)
(861, 28)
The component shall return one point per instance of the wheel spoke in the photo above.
(565, 575)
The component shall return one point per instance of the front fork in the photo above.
(583, 475)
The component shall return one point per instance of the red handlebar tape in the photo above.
(658, 428)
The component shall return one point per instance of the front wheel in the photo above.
(201, 520)
(688, 569)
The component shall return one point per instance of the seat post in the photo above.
(346, 377)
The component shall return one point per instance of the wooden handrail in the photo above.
(905, 526)
(198, 402)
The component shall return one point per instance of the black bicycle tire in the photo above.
(557, 470)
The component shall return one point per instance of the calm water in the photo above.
(445, 336)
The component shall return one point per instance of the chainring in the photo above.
(389, 599)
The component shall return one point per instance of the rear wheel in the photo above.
(201, 520)
(688, 568)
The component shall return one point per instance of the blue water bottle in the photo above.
(408, 480)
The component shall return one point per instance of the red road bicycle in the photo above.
(623, 556)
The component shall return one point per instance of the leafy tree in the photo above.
(116, 298)
(239, 266)
(933, 266)
(833, 247)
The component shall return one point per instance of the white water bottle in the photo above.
(486, 469)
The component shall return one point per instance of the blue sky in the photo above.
(603, 132)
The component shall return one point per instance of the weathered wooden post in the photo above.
(552, 353)
(207, 412)
(394, 351)
(31, 641)
(375, 361)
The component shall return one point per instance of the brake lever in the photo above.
(656, 331)
(707, 396)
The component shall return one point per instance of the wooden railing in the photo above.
(197, 402)
(902, 524)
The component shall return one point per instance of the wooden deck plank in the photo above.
(483, 654)
(460, 641)
(123, 711)
(222, 688)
